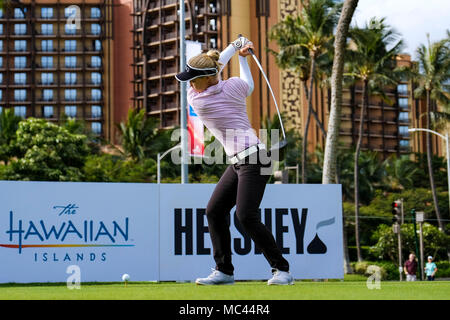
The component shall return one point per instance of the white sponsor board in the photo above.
(157, 232)
(106, 229)
(306, 221)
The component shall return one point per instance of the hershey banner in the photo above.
(157, 232)
(306, 221)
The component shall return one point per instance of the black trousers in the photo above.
(243, 185)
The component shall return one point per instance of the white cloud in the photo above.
(413, 19)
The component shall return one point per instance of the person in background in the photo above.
(410, 268)
(430, 269)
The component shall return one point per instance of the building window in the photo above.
(1, 45)
(46, 13)
(20, 28)
(402, 89)
(96, 61)
(96, 78)
(404, 143)
(1, 28)
(96, 112)
(97, 45)
(47, 78)
(1, 13)
(70, 62)
(212, 24)
(96, 127)
(70, 29)
(213, 43)
(20, 45)
(19, 14)
(47, 45)
(20, 78)
(96, 94)
(1, 94)
(47, 29)
(96, 29)
(70, 45)
(70, 77)
(47, 94)
(95, 13)
(47, 62)
(20, 111)
(20, 95)
(70, 111)
(1, 109)
(70, 94)
(403, 102)
(48, 112)
(403, 131)
(1, 62)
(70, 12)
(1, 77)
(20, 62)
(403, 116)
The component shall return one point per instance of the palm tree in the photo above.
(9, 124)
(433, 77)
(329, 174)
(400, 173)
(141, 138)
(306, 39)
(319, 20)
(293, 55)
(373, 64)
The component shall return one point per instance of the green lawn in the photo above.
(258, 290)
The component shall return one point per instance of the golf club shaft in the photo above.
(270, 88)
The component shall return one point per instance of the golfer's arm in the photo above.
(246, 74)
(226, 55)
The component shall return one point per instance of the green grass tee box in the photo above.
(248, 290)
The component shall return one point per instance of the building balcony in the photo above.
(371, 133)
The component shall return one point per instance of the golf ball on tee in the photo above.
(125, 277)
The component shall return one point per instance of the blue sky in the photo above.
(411, 18)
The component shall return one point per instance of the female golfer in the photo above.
(221, 106)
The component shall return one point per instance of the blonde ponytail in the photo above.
(206, 60)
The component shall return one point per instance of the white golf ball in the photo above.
(126, 277)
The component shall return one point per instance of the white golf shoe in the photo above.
(280, 278)
(215, 278)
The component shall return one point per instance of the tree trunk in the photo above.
(347, 265)
(364, 106)
(314, 113)
(334, 122)
(430, 164)
(308, 119)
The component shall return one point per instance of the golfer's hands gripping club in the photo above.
(241, 43)
(247, 49)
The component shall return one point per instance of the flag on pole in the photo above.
(194, 124)
(196, 134)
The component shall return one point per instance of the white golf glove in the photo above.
(240, 42)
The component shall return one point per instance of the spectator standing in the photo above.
(430, 269)
(410, 268)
